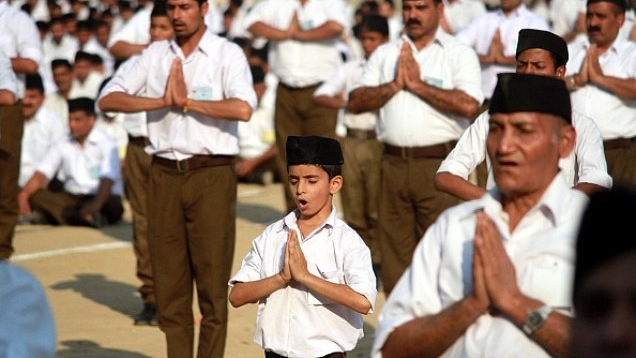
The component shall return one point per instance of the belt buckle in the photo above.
(182, 168)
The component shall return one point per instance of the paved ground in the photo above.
(89, 278)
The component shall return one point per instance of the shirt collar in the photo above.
(206, 44)
(520, 10)
(290, 219)
(616, 47)
(441, 38)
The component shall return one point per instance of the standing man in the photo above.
(303, 53)
(492, 277)
(20, 41)
(494, 36)
(194, 88)
(602, 79)
(425, 87)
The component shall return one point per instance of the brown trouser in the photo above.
(11, 125)
(360, 192)
(621, 165)
(63, 208)
(331, 355)
(191, 235)
(409, 204)
(297, 114)
(136, 182)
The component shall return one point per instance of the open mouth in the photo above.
(302, 203)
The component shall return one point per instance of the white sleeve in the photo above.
(469, 151)
(590, 155)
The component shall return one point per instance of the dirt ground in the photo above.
(89, 278)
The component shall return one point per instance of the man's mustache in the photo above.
(593, 28)
(413, 22)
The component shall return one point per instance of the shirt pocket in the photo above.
(333, 276)
(552, 283)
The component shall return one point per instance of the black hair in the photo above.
(35, 82)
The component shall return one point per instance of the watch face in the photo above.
(534, 319)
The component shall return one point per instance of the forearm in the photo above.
(104, 191)
(231, 109)
(589, 188)
(24, 65)
(366, 99)
(328, 30)
(122, 50)
(260, 29)
(449, 101)
(250, 292)
(623, 88)
(338, 293)
(127, 103)
(331, 102)
(457, 186)
(430, 336)
(7, 98)
(35, 183)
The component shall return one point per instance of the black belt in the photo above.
(430, 151)
(361, 134)
(194, 162)
(139, 141)
(296, 88)
(269, 354)
(618, 143)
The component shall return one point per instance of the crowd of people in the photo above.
(464, 138)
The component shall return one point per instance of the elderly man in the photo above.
(492, 277)
(602, 79)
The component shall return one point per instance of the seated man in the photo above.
(88, 159)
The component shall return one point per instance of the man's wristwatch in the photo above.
(536, 319)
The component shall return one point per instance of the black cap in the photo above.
(518, 92)
(81, 104)
(604, 232)
(313, 150)
(620, 3)
(531, 38)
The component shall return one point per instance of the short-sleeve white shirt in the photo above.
(300, 63)
(407, 120)
(585, 164)
(136, 30)
(541, 248)
(216, 70)
(342, 82)
(614, 116)
(40, 132)
(83, 167)
(19, 37)
(8, 81)
(460, 13)
(479, 33)
(293, 321)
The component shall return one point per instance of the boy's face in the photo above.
(160, 28)
(312, 189)
(370, 40)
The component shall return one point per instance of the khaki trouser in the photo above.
(11, 126)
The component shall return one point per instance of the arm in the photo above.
(246, 166)
(458, 186)
(250, 292)
(430, 336)
(366, 99)
(7, 97)
(24, 65)
(590, 156)
(328, 30)
(331, 102)
(101, 196)
(127, 103)
(338, 293)
(122, 50)
(35, 183)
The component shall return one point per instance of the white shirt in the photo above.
(300, 63)
(585, 164)
(89, 88)
(542, 249)
(28, 326)
(614, 116)
(94, 47)
(460, 13)
(136, 30)
(257, 135)
(8, 81)
(405, 119)
(66, 49)
(83, 167)
(294, 322)
(564, 14)
(133, 123)
(343, 82)
(216, 70)
(479, 33)
(40, 132)
(19, 37)
(57, 103)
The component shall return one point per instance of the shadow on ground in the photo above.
(118, 296)
(259, 214)
(85, 348)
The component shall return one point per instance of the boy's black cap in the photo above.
(313, 150)
(517, 92)
(531, 38)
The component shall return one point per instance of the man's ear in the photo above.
(335, 184)
(568, 139)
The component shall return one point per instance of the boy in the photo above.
(310, 272)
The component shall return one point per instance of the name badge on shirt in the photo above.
(307, 25)
(202, 93)
(435, 82)
(95, 172)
